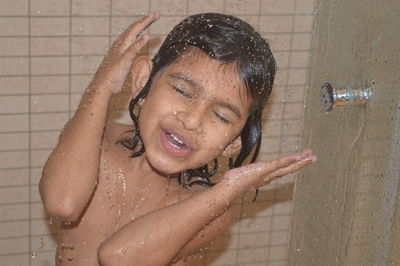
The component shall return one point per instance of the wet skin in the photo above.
(124, 210)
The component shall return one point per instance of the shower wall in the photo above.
(346, 206)
(49, 50)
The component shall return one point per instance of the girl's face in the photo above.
(195, 108)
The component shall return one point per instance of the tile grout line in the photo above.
(286, 86)
(29, 136)
(70, 60)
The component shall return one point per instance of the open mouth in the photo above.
(174, 144)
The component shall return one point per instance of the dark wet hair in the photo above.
(229, 40)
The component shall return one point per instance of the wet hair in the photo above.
(229, 40)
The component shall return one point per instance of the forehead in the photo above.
(212, 74)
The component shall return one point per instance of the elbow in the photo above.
(59, 208)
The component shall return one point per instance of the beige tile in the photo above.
(242, 6)
(130, 8)
(14, 246)
(85, 64)
(203, 6)
(36, 174)
(14, 7)
(278, 95)
(45, 240)
(14, 85)
(292, 127)
(50, 84)
(49, 46)
(278, 42)
(303, 23)
(283, 208)
(281, 222)
(295, 94)
(273, 111)
(75, 99)
(302, 41)
(55, 121)
(280, 262)
(49, 8)
(13, 159)
(165, 24)
(49, 103)
(40, 140)
(272, 129)
(290, 144)
(253, 240)
(14, 104)
(12, 123)
(218, 258)
(250, 19)
(277, 6)
(49, 65)
(14, 229)
(43, 258)
(282, 59)
(43, 227)
(50, 26)
(293, 110)
(278, 253)
(169, 7)
(14, 66)
(14, 195)
(34, 190)
(13, 212)
(80, 83)
(275, 24)
(305, 6)
(272, 145)
(11, 46)
(252, 255)
(38, 158)
(298, 76)
(281, 76)
(38, 212)
(18, 26)
(14, 177)
(257, 224)
(82, 7)
(119, 24)
(90, 25)
(14, 141)
(89, 45)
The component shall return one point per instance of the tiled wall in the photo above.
(49, 50)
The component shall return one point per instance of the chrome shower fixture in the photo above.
(332, 98)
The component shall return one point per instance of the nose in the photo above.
(191, 117)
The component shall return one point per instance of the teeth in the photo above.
(177, 139)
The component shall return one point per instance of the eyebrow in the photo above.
(195, 85)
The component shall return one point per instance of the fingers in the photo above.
(258, 174)
(129, 36)
(292, 168)
(130, 53)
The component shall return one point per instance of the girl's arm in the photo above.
(70, 174)
(172, 233)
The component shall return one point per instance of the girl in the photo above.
(142, 194)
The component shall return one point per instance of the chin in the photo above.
(163, 166)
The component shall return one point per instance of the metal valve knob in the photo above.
(332, 98)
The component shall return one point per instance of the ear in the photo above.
(140, 72)
(233, 148)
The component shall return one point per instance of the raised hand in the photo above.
(258, 174)
(117, 63)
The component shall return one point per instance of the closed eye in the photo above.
(181, 92)
(220, 117)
